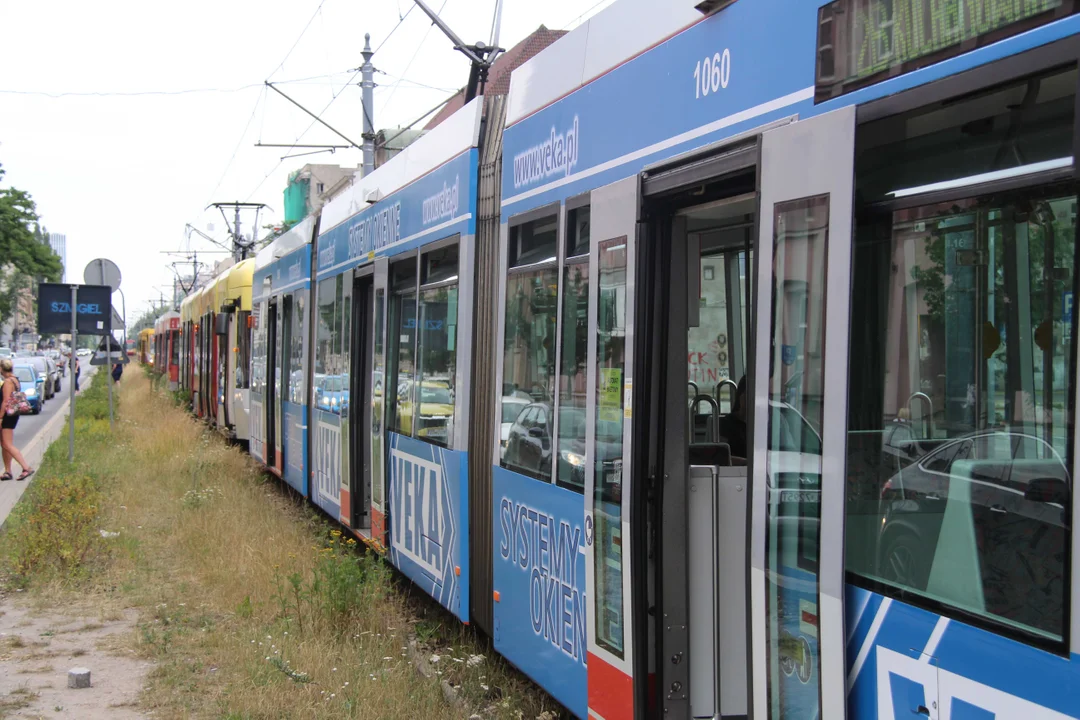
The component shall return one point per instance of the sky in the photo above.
(124, 120)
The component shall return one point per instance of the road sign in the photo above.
(1067, 307)
(109, 352)
(117, 321)
(92, 308)
(102, 272)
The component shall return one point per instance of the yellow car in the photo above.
(436, 419)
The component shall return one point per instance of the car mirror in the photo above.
(1047, 490)
(536, 432)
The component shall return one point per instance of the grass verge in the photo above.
(250, 604)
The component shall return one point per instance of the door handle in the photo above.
(998, 509)
(923, 710)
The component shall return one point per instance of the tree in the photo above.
(25, 258)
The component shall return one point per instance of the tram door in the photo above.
(799, 416)
(706, 444)
(359, 400)
(273, 384)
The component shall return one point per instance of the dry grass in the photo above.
(208, 553)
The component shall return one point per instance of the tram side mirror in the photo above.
(1047, 490)
(221, 324)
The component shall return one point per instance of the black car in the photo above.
(977, 517)
(529, 446)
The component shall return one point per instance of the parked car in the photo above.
(84, 352)
(33, 385)
(994, 502)
(529, 447)
(511, 408)
(436, 409)
(47, 370)
(6, 352)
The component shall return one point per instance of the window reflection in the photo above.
(529, 368)
(793, 463)
(607, 506)
(958, 483)
(573, 377)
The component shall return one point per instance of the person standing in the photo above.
(117, 371)
(10, 420)
(78, 369)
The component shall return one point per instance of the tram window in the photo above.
(285, 350)
(345, 303)
(796, 391)
(401, 388)
(577, 231)
(329, 324)
(243, 350)
(960, 332)
(573, 376)
(438, 346)
(607, 505)
(378, 392)
(529, 365)
(296, 348)
(534, 241)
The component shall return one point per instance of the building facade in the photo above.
(58, 243)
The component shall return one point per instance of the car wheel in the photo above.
(36, 411)
(904, 562)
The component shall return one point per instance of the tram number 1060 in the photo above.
(712, 74)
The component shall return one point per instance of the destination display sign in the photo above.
(861, 42)
(92, 309)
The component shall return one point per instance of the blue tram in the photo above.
(726, 367)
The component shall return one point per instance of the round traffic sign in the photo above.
(102, 272)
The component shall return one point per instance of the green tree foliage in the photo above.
(20, 242)
(25, 255)
(148, 319)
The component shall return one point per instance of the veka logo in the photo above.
(417, 532)
(328, 461)
(81, 308)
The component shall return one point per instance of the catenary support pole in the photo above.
(367, 84)
(71, 366)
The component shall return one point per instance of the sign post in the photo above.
(73, 308)
(71, 364)
(105, 272)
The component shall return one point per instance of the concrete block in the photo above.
(79, 677)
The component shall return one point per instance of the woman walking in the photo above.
(7, 425)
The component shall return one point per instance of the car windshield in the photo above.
(24, 374)
(438, 395)
(791, 432)
(39, 363)
(510, 411)
(333, 384)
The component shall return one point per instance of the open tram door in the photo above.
(799, 389)
(741, 314)
(273, 385)
(358, 409)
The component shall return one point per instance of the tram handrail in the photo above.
(723, 383)
(716, 415)
(928, 423)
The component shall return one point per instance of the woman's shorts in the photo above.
(9, 422)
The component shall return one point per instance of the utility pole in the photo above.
(240, 249)
(367, 84)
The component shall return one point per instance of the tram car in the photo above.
(166, 355)
(145, 346)
(723, 368)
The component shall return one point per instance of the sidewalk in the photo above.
(34, 447)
